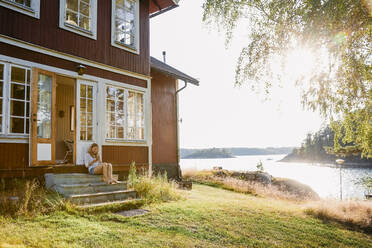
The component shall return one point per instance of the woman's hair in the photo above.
(91, 148)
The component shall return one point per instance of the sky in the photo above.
(216, 113)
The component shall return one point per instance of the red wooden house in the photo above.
(73, 72)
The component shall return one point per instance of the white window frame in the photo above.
(75, 29)
(114, 43)
(6, 102)
(126, 93)
(34, 11)
(3, 127)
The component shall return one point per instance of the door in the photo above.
(86, 118)
(42, 135)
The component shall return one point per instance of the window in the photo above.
(124, 114)
(125, 28)
(27, 7)
(14, 99)
(86, 112)
(1, 97)
(79, 16)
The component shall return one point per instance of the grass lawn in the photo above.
(210, 217)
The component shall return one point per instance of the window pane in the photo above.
(1, 72)
(120, 95)
(120, 132)
(110, 105)
(140, 134)
(1, 89)
(83, 104)
(90, 92)
(83, 135)
(72, 5)
(71, 18)
(82, 90)
(1, 107)
(28, 93)
(27, 125)
(44, 111)
(28, 109)
(89, 105)
(110, 93)
(90, 119)
(83, 120)
(84, 8)
(18, 75)
(112, 119)
(131, 133)
(17, 125)
(120, 121)
(28, 76)
(26, 3)
(17, 108)
(1, 124)
(90, 133)
(84, 22)
(17, 91)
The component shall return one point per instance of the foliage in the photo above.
(338, 34)
(280, 188)
(260, 166)
(209, 217)
(211, 153)
(319, 147)
(366, 182)
(352, 213)
(24, 197)
(153, 189)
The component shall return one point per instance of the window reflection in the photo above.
(44, 108)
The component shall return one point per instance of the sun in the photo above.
(299, 63)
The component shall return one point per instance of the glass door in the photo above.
(86, 118)
(42, 135)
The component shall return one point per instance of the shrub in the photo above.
(224, 179)
(153, 189)
(352, 212)
(26, 197)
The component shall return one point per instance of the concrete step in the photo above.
(119, 195)
(51, 179)
(102, 204)
(89, 188)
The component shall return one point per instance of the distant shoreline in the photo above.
(290, 158)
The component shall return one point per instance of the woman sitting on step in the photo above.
(95, 166)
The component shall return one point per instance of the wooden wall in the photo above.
(20, 53)
(13, 156)
(65, 99)
(125, 155)
(164, 120)
(46, 32)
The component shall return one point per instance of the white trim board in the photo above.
(50, 52)
(75, 75)
(34, 11)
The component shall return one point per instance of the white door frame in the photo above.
(83, 145)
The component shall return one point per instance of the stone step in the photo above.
(89, 188)
(102, 204)
(51, 179)
(119, 195)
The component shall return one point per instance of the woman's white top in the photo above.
(89, 159)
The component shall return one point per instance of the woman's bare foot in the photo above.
(113, 181)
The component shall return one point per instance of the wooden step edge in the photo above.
(72, 196)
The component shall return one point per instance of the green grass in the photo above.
(209, 217)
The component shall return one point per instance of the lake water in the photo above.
(324, 180)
